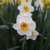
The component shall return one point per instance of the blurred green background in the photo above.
(9, 38)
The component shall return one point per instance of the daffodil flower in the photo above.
(37, 2)
(33, 36)
(24, 16)
(42, 3)
(25, 7)
(24, 27)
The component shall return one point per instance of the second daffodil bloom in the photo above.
(24, 16)
(25, 7)
(33, 36)
(24, 27)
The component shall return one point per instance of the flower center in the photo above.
(25, 8)
(32, 32)
(23, 16)
(24, 26)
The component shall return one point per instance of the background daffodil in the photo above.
(44, 4)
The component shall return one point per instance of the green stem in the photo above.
(24, 46)
(42, 31)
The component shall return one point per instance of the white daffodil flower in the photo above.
(24, 27)
(24, 16)
(25, 7)
(37, 2)
(33, 36)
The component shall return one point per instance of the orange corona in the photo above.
(25, 8)
(24, 26)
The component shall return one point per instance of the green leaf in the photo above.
(4, 27)
(14, 48)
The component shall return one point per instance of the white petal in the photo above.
(16, 26)
(36, 4)
(31, 9)
(36, 33)
(20, 32)
(24, 20)
(18, 18)
(32, 25)
(27, 37)
(27, 16)
(23, 2)
(33, 37)
(28, 32)
(21, 12)
(20, 7)
(28, 3)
